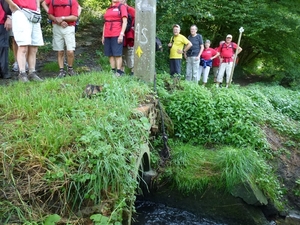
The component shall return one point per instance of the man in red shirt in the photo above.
(113, 35)
(64, 14)
(227, 51)
(27, 34)
(5, 25)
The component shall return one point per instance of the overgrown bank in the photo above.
(72, 156)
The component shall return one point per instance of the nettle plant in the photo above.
(216, 116)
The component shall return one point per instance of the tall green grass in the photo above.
(84, 148)
(194, 169)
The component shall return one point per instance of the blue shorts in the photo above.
(112, 47)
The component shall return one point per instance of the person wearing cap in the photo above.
(207, 57)
(178, 45)
(227, 51)
(193, 54)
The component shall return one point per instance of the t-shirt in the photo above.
(113, 20)
(28, 4)
(216, 61)
(179, 42)
(208, 53)
(226, 51)
(2, 15)
(196, 41)
(61, 8)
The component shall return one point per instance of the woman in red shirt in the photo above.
(207, 56)
(114, 27)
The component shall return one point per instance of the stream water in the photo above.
(151, 213)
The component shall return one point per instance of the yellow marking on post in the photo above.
(139, 51)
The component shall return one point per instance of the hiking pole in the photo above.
(235, 55)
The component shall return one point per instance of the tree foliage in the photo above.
(271, 30)
(269, 42)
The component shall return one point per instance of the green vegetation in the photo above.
(194, 169)
(71, 152)
(221, 135)
(61, 153)
(67, 151)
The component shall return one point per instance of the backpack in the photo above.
(230, 46)
(129, 18)
(158, 45)
(69, 4)
(57, 5)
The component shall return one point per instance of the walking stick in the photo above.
(235, 55)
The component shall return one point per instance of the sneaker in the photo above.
(15, 67)
(34, 76)
(71, 72)
(23, 77)
(119, 73)
(61, 74)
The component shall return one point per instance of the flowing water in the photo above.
(150, 213)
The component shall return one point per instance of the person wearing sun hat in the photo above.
(227, 51)
(178, 45)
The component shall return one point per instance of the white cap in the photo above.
(176, 25)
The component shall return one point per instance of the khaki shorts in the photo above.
(63, 36)
(26, 32)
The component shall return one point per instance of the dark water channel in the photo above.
(151, 213)
(166, 206)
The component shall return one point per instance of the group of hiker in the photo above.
(200, 57)
(21, 19)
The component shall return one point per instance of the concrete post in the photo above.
(144, 40)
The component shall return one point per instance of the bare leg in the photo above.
(32, 51)
(21, 57)
(70, 58)
(112, 62)
(119, 62)
(60, 59)
(14, 48)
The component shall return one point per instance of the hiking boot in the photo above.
(34, 76)
(23, 77)
(6, 76)
(61, 74)
(71, 72)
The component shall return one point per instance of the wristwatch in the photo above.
(63, 18)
